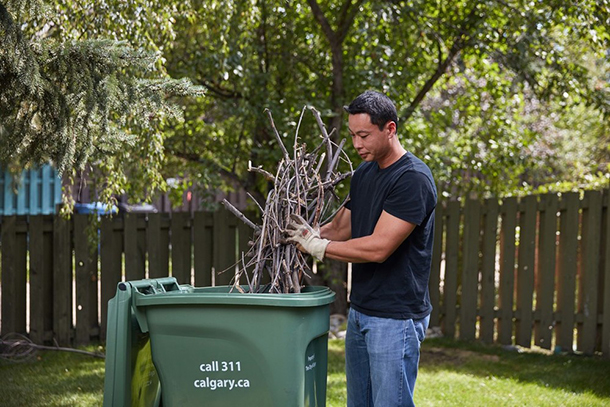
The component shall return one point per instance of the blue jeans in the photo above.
(381, 359)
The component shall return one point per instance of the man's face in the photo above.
(371, 143)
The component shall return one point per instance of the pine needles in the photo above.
(303, 184)
(74, 102)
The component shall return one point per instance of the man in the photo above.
(386, 231)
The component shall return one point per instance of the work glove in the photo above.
(307, 238)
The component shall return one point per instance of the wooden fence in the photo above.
(523, 271)
(50, 264)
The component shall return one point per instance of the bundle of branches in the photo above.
(304, 184)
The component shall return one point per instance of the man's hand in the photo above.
(307, 238)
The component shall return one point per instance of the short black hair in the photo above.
(378, 106)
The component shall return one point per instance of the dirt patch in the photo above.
(435, 356)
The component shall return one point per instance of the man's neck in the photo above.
(394, 155)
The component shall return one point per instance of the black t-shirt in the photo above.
(398, 287)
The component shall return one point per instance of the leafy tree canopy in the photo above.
(497, 96)
(488, 92)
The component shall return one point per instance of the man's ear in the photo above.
(391, 127)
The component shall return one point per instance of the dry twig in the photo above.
(15, 347)
(300, 188)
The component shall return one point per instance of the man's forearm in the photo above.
(361, 250)
(389, 233)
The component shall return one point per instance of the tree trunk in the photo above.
(334, 273)
(335, 38)
(337, 95)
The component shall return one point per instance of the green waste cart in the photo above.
(176, 345)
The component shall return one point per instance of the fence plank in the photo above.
(21, 194)
(35, 205)
(435, 270)
(470, 269)
(62, 281)
(9, 275)
(451, 268)
(224, 246)
(8, 194)
(142, 242)
(153, 245)
(488, 270)
(85, 261)
(111, 257)
(605, 294)
(130, 247)
(14, 272)
(589, 278)
(525, 272)
(566, 270)
(245, 235)
(41, 281)
(203, 248)
(135, 254)
(20, 286)
(181, 247)
(49, 178)
(545, 273)
(157, 243)
(507, 271)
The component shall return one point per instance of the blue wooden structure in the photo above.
(38, 193)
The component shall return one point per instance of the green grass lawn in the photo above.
(52, 379)
(451, 374)
(462, 374)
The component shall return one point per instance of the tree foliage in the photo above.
(497, 96)
(483, 88)
(75, 96)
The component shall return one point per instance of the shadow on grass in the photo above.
(573, 373)
(52, 379)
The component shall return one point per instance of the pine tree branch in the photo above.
(219, 90)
